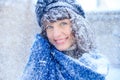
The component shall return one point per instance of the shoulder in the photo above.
(95, 61)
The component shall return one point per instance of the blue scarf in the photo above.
(47, 63)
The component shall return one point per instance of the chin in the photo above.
(61, 48)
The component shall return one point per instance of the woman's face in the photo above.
(59, 34)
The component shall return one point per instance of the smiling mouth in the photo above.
(61, 41)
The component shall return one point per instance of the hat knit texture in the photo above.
(43, 6)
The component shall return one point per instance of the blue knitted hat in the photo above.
(42, 6)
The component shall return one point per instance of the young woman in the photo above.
(64, 50)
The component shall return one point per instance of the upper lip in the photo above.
(60, 39)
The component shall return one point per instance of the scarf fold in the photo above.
(47, 63)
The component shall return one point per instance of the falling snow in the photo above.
(18, 27)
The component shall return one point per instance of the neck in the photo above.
(74, 52)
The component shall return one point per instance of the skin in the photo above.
(59, 34)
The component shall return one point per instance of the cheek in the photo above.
(70, 33)
(68, 30)
(49, 36)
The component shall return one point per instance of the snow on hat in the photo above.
(43, 6)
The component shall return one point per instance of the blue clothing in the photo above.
(48, 63)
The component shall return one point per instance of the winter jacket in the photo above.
(48, 63)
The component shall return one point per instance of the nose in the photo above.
(57, 32)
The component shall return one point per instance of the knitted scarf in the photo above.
(48, 63)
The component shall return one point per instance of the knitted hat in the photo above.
(43, 6)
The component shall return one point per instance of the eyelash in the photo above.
(49, 27)
(63, 23)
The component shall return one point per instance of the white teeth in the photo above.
(60, 41)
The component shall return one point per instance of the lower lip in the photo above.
(59, 42)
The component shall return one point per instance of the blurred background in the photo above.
(18, 27)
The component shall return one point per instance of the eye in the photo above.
(63, 23)
(49, 27)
